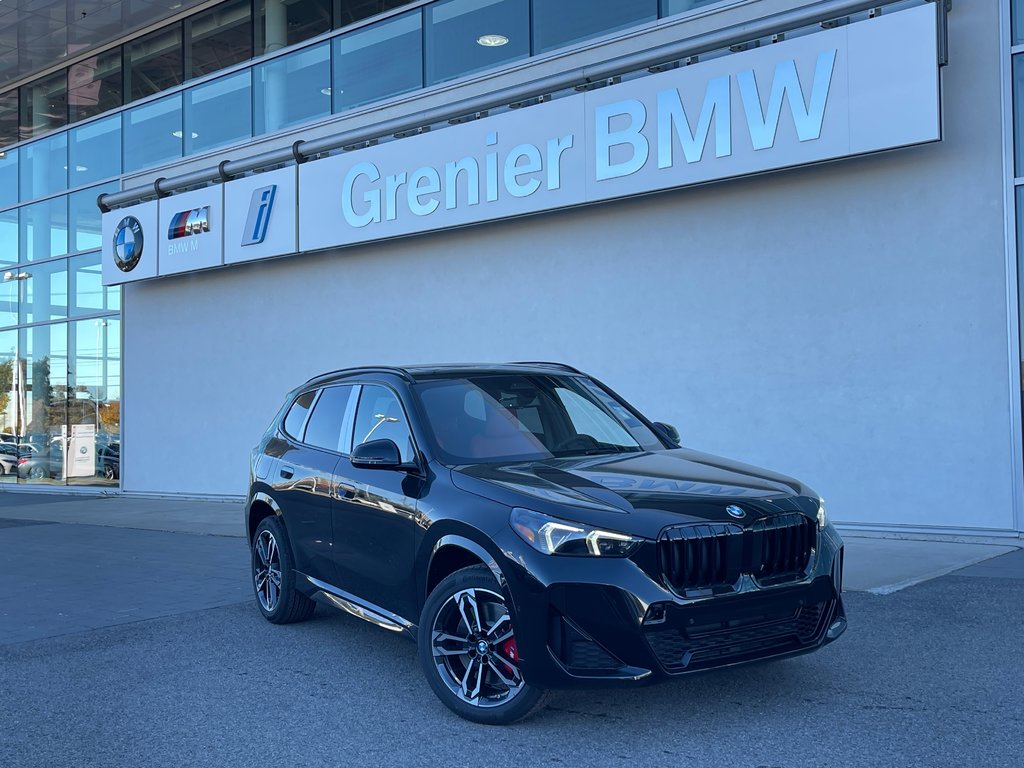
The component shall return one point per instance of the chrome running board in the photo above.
(355, 607)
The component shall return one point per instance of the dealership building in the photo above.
(788, 227)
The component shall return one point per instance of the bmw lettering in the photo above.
(128, 243)
(260, 208)
(185, 224)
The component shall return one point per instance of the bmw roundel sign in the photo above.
(128, 243)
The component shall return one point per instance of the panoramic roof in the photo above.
(35, 34)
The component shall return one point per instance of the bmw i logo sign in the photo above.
(128, 243)
(735, 511)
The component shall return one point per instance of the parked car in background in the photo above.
(530, 529)
(108, 461)
(8, 458)
(39, 464)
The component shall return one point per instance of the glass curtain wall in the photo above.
(60, 329)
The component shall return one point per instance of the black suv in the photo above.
(531, 530)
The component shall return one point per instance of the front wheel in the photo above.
(467, 648)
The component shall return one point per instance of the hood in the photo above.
(640, 493)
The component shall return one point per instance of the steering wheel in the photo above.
(581, 442)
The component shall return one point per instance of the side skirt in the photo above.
(350, 604)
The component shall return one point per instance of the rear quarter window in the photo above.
(296, 417)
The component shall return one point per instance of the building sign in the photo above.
(855, 89)
(261, 216)
(191, 232)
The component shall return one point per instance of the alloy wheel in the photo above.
(474, 648)
(267, 571)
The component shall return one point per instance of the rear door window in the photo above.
(325, 426)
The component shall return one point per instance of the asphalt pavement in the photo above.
(127, 647)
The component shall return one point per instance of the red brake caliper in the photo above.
(510, 650)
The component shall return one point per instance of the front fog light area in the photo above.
(560, 537)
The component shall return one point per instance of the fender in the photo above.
(468, 544)
(265, 498)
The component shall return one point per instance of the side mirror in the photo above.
(668, 431)
(377, 454)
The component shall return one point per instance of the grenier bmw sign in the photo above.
(860, 88)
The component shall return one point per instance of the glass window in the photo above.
(1017, 21)
(219, 37)
(494, 417)
(8, 238)
(152, 133)
(293, 89)
(8, 177)
(95, 85)
(218, 112)
(95, 151)
(380, 417)
(10, 293)
(557, 23)
(297, 414)
(1018, 114)
(94, 400)
(9, 410)
(350, 11)
(44, 167)
(280, 23)
(324, 427)
(44, 104)
(153, 63)
(378, 61)
(43, 229)
(43, 407)
(9, 133)
(84, 217)
(85, 287)
(669, 7)
(466, 36)
(45, 295)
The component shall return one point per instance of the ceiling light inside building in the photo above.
(492, 41)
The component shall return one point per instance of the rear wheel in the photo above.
(467, 648)
(273, 577)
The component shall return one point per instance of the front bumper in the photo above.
(594, 622)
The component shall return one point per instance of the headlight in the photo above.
(560, 537)
(822, 514)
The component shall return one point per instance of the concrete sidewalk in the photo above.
(873, 564)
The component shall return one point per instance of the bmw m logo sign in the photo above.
(128, 242)
(735, 511)
(186, 223)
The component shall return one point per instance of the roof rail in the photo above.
(363, 369)
(563, 366)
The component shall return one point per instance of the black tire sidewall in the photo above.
(283, 607)
(525, 702)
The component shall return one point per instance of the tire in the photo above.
(276, 597)
(37, 472)
(108, 472)
(482, 685)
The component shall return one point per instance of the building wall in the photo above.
(844, 323)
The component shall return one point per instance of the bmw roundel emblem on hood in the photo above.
(735, 511)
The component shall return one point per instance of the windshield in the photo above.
(517, 417)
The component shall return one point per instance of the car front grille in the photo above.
(712, 556)
(727, 641)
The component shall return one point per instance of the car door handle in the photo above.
(287, 472)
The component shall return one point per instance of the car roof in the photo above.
(424, 371)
